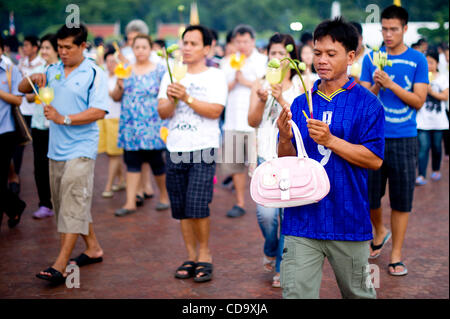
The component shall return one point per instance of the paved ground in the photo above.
(143, 250)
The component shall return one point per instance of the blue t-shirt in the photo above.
(82, 89)
(354, 114)
(407, 68)
(6, 117)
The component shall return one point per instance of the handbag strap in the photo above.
(301, 151)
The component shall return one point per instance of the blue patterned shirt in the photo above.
(140, 124)
(354, 114)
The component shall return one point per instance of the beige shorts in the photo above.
(237, 152)
(71, 184)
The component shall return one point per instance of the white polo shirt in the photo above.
(238, 103)
(28, 68)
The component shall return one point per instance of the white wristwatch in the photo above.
(67, 120)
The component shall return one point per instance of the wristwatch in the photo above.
(67, 120)
(190, 100)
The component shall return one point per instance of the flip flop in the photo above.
(402, 273)
(56, 277)
(380, 246)
(84, 260)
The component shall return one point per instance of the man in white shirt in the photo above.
(193, 107)
(236, 111)
(29, 64)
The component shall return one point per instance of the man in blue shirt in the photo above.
(80, 99)
(402, 89)
(347, 137)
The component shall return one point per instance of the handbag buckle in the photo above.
(284, 184)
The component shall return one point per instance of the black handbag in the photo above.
(22, 132)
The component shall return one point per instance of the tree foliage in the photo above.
(36, 16)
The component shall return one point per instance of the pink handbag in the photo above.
(289, 181)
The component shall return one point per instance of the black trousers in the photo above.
(9, 202)
(41, 170)
(446, 137)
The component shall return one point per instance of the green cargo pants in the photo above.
(301, 267)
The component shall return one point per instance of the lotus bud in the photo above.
(375, 48)
(172, 48)
(160, 53)
(389, 62)
(302, 66)
(289, 48)
(274, 63)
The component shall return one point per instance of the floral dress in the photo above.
(140, 124)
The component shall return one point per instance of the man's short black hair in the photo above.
(98, 41)
(108, 52)
(358, 27)
(79, 34)
(339, 30)
(12, 42)
(306, 36)
(50, 37)
(34, 40)
(229, 37)
(395, 12)
(242, 29)
(432, 53)
(206, 34)
(160, 42)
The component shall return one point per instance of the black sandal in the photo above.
(84, 260)
(190, 270)
(56, 277)
(139, 201)
(206, 269)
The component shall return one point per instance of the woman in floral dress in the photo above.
(140, 124)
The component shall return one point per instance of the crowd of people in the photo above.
(371, 125)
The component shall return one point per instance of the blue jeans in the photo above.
(269, 224)
(429, 139)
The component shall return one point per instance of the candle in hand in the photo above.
(46, 94)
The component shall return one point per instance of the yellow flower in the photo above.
(163, 133)
(237, 62)
(121, 72)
